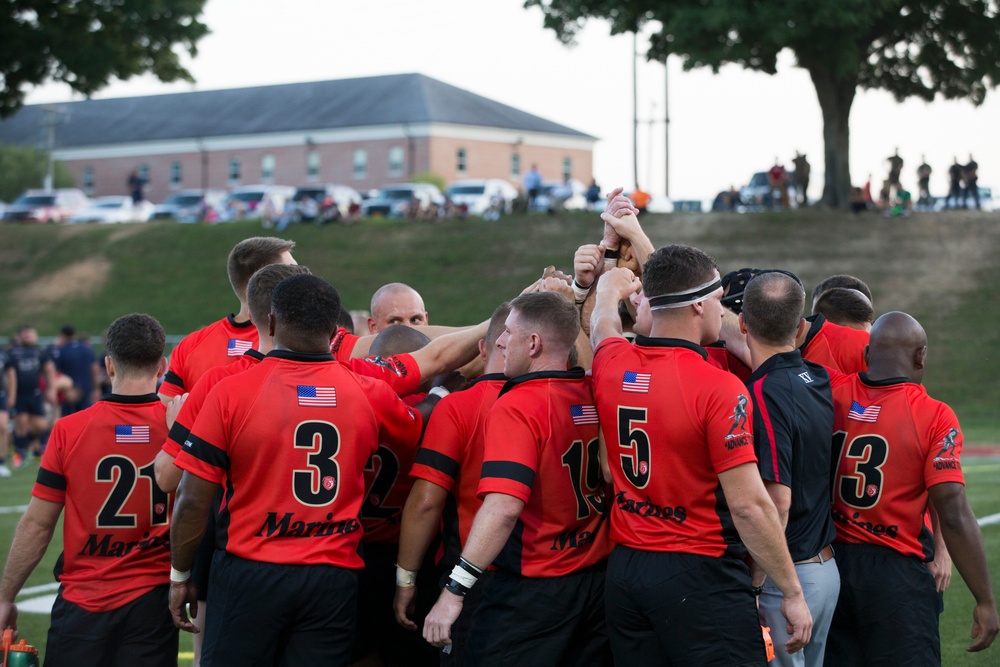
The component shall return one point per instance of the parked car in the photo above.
(757, 193)
(561, 196)
(480, 195)
(3, 207)
(334, 201)
(393, 200)
(254, 201)
(186, 205)
(46, 205)
(115, 209)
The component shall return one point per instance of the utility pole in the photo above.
(666, 127)
(635, 109)
(50, 123)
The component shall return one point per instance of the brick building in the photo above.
(362, 132)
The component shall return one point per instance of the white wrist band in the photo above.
(463, 577)
(405, 578)
(440, 392)
(580, 292)
(178, 577)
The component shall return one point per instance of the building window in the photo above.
(267, 168)
(88, 180)
(360, 163)
(460, 161)
(312, 165)
(396, 161)
(567, 168)
(234, 170)
(515, 164)
(175, 174)
(144, 172)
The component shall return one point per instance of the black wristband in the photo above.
(456, 588)
(611, 254)
(469, 567)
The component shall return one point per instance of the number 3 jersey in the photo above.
(541, 446)
(99, 464)
(672, 423)
(892, 442)
(289, 440)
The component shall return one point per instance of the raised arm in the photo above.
(615, 285)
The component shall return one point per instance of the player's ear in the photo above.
(270, 325)
(482, 348)
(920, 357)
(161, 369)
(109, 366)
(800, 332)
(372, 328)
(743, 324)
(867, 355)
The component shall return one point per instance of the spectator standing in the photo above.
(971, 173)
(593, 193)
(75, 359)
(640, 199)
(955, 173)
(895, 169)
(923, 185)
(802, 169)
(135, 186)
(777, 179)
(532, 185)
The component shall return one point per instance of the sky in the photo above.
(723, 127)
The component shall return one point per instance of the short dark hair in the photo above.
(497, 324)
(397, 339)
(845, 306)
(676, 268)
(345, 320)
(135, 343)
(68, 330)
(261, 287)
(842, 280)
(772, 307)
(553, 313)
(306, 305)
(249, 255)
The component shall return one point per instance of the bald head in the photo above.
(397, 339)
(396, 303)
(897, 348)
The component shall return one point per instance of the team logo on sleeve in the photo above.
(236, 347)
(636, 383)
(946, 457)
(861, 413)
(583, 414)
(130, 433)
(393, 363)
(738, 435)
(313, 396)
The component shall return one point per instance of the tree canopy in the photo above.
(923, 49)
(23, 167)
(86, 43)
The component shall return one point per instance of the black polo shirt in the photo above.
(793, 428)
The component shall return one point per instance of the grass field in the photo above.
(982, 481)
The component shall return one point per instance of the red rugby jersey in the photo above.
(835, 346)
(541, 446)
(387, 485)
(116, 529)
(218, 344)
(342, 344)
(893, 442)
(451, 452)
(672, 422)
(289, 440)
(196, 398)
(722, 358)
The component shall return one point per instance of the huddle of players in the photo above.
(557, 566)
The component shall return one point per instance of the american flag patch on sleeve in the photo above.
(636, 383)
(130, 433)
(310, 395)
(583, 414)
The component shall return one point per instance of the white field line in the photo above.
(13, 509)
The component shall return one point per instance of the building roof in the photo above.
(378, 100)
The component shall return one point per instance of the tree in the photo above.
(909, 48)
(84, 43)
(23, 167)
